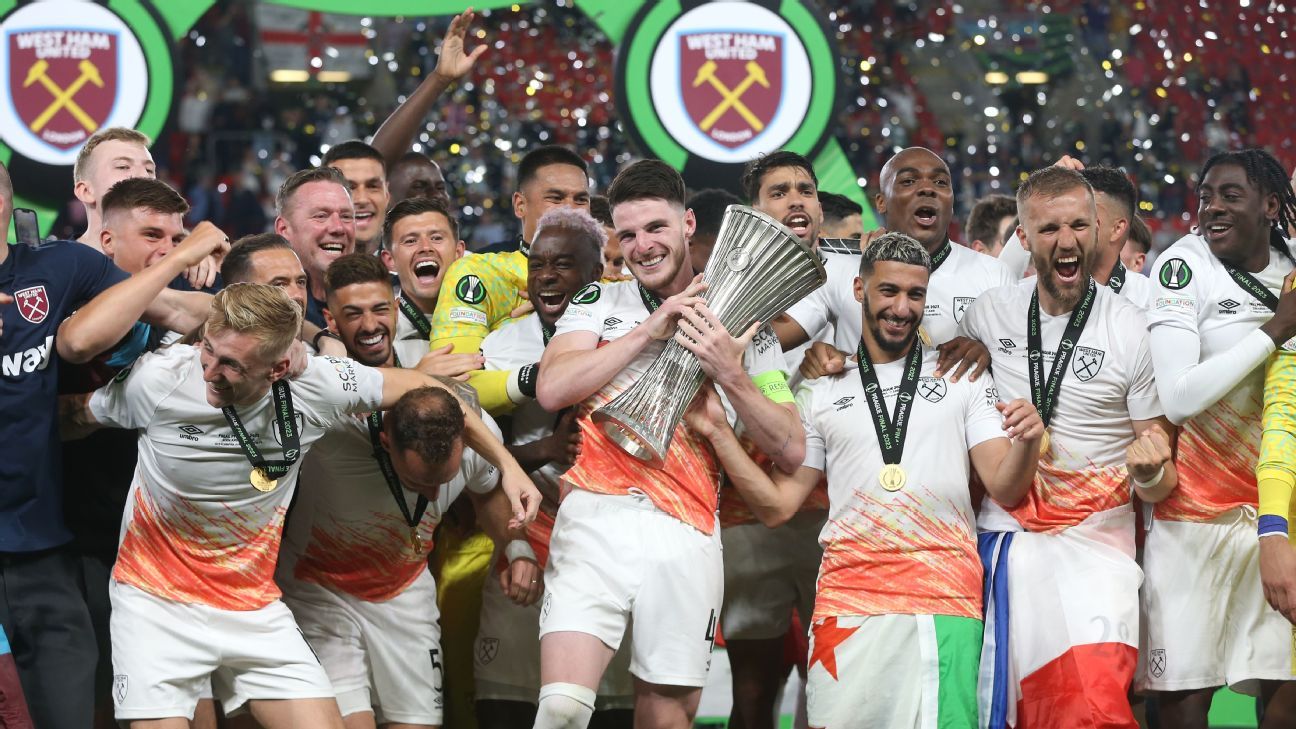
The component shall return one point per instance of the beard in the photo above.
(889, 345)
(1067, 296)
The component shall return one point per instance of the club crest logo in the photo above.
(487, 649)
(71, 69)
(709, 86)
(1157, 662)
(1088, 361)
(33, 304)
(121, 685)
(932, 389)
(961, 305)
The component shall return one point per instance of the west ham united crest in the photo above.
(72, 68)
(709, 86)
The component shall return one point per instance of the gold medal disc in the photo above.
(1046, 444)
(262, 482)
(416, 543)
(892, 477)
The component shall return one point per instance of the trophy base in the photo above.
(623, 433)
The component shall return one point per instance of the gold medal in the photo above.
(892, 477)
(415, 542)
(262, 482)
(1046, 445)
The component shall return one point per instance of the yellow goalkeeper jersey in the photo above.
(1276, 469)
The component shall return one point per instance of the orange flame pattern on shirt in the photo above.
(203, 554)
(890, 556)
(1059, 499)
(1218, 452)
(372, 560)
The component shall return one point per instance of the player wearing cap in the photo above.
(632, 541)
(223, 432)
(1062, 614)
(896, 636)
(353, 565)
(1221, 306)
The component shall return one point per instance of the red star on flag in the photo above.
(827, 636)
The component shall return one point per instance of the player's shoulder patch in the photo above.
(470, 289)
(589, 294)
(1174, 274)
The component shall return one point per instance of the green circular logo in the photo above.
(470, 290)
(588, 295)
(1175, 274)
(707, 89)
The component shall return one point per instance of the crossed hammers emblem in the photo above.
(63, 98)
(731, 98)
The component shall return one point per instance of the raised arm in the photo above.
(103, 321)
(397, 133)
(1006, 467)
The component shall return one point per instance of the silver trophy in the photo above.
(758, 268)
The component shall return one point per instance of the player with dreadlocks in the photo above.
(1221, 305)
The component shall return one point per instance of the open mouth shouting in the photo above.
(550, 303)
(798, 223)
(427, 271)
(1067, 268)
(925, 217)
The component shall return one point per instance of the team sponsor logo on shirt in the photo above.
(1087, 362)
(961, 305)
(1228, 306)
(28, 360)
(1007, 346)
(932, 389)
(1175, 274)
(588, 295)
(33, 303)
(844, 403)
(470, 290)
(610, 322)
(764, 340)
(190, 432)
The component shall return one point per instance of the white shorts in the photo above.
(506, 655)
(383, 657)
(1207, 622)
(166, 654)
(617, 558)
(768, 573)
(893, 671)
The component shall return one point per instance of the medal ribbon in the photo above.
(547, 331)
(1044, 393)
(890, 429)
(284, 423)
(374, 421)
(1116, 281)
(415, 316)
(1252, 285)
(650, 300)
(941, 255)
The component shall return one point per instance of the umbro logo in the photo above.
(1008, 343)
(611, 321)
(844, 403)
(190, 432)
(1229, 306)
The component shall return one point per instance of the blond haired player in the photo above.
(223, 432)
(632, 541)
(896, 636)
(108, 157)
(1062, 615)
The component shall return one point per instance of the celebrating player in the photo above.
(632, 541)
(1222, 304)
(192, 593)
(897, 623)
(1062, 613)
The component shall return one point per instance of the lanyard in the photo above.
(1252, 285)
(415, 316)
(941, 255)
(547, 331)
(284, 423)
(1044, 394)
(1116, 281)
(374, 421)
(890, 429)
(650, 300)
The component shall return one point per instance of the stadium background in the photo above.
(999, 88)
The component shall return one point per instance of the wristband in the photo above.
(1272, 526)
(521, 383)
(519, 549)
(1160, 474)
(323, 333)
